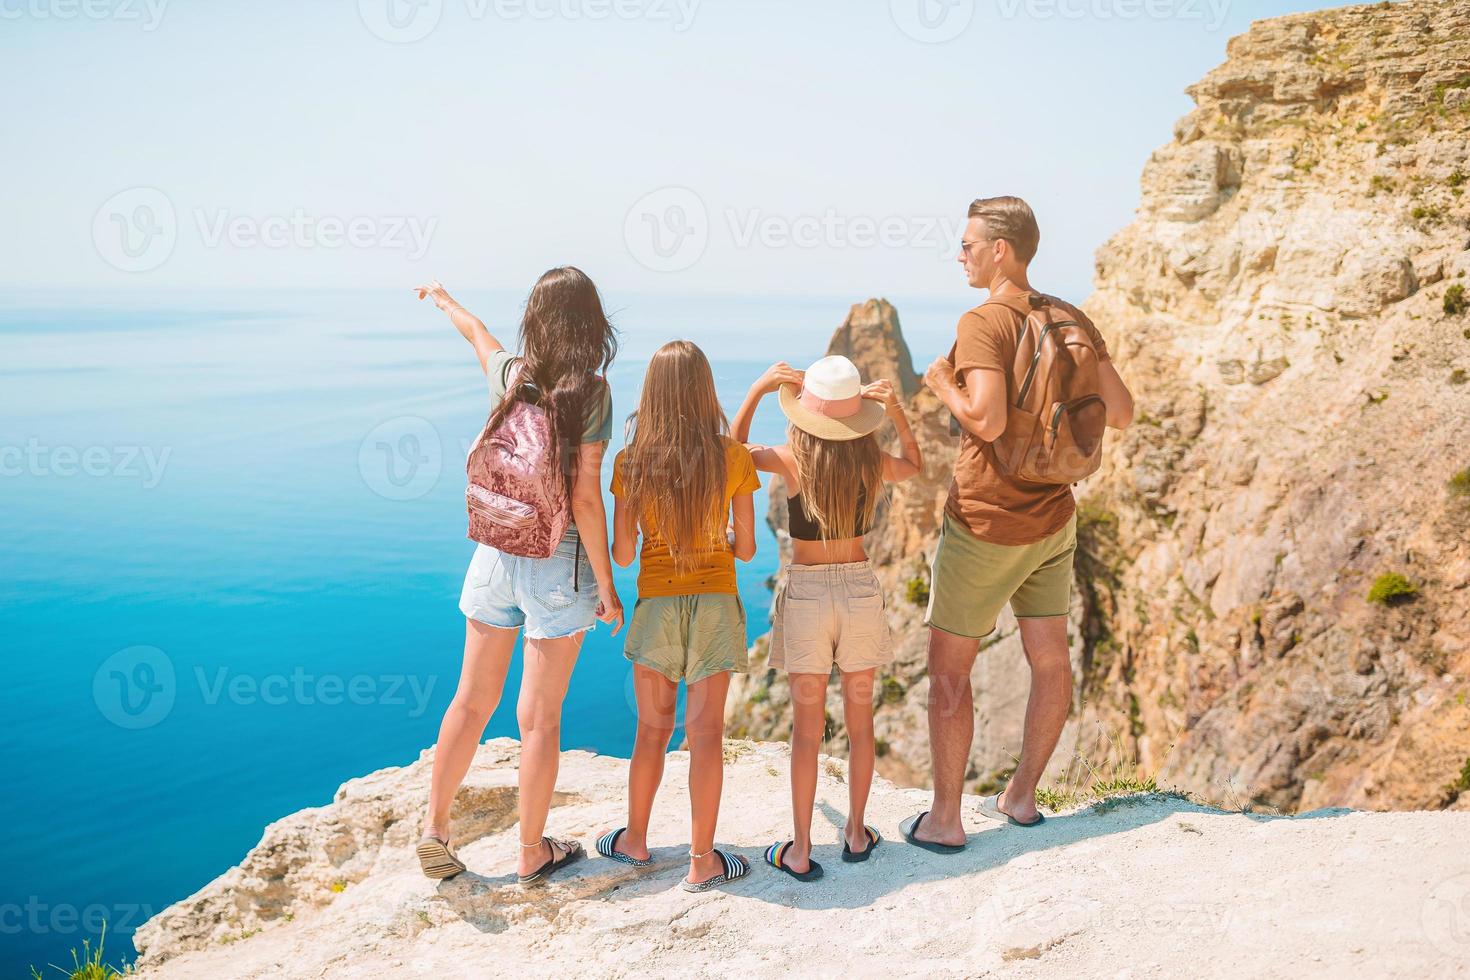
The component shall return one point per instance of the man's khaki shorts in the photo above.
(973, 580)
(827, 614)
(688, 637)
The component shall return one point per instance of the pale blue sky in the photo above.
(816, 147)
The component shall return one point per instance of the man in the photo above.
(1003, 539)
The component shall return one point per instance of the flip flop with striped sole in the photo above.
(437, 859)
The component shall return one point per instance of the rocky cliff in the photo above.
(1142, 886)
(1274, 585)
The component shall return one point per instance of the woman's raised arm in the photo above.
(468, 325)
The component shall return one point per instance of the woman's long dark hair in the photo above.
(566, 344)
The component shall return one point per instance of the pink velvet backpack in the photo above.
(517, 495)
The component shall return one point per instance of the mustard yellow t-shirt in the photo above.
(715, 571)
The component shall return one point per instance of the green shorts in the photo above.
(972, 580)
(688, 637)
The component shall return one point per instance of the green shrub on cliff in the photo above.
(1455, 302)
(1392, 589)
(917, 591)
(1460, 483)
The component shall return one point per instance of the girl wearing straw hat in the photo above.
(831, 608)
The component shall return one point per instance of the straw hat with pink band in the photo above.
(830, 402)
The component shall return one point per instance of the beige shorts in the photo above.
(830, 613)
(973, 580)
(688, 637)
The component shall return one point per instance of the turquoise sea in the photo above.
(234, 537)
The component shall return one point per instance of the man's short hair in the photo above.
(1010, 218)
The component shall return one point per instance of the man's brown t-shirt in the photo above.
(996, 507)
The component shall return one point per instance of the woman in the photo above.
(566, 346)
(831, 608)
(678, 483)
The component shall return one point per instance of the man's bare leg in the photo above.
(951, 730)
(1045, 641)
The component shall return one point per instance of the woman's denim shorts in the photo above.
(550, 597)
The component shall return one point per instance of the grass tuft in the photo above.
(1455, 302)
(916, 591)
(1111, 775)
(1392, 589)
(87, 964)
(1460, 483)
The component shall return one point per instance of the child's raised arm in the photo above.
(771, 380)
(910, 460)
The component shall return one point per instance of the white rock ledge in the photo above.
(1152, 887)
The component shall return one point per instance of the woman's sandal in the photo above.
(735, 867)
(563, 853)
(437, 859)
(607, 846)
(778, 850)
(853, 857)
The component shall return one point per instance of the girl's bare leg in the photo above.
(487, 651)
(704, 724)
(657, 699)
(857, 713)
(808, 725)
(548, 670)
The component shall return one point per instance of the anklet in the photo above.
(698, 856)
(537, 844)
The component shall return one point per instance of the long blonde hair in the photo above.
(835, 475)
(674, 465)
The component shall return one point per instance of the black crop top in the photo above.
(801, 525)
